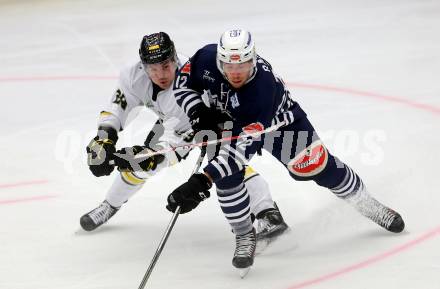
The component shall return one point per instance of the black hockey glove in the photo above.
(100, 151)
(206, 118)
(189, 194)
(126, 159)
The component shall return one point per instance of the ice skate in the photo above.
(244, 252)
(377, 212)
(97, 216)
(271, 225)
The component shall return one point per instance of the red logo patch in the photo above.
(309, 162)
(253, 128)
(187, 68)
(234, 57)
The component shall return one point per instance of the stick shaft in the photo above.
(168, 229)
(206, 143)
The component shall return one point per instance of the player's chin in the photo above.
(237, 83)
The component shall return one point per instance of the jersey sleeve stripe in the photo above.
(190, 102)
(191, 105)
(181, 93)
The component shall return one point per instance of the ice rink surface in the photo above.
(367, 73)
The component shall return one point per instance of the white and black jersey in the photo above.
(136, 89)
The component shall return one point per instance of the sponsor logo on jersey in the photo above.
(235, 57)
(223, 99)
(187, 68)
(310, 161)
(253, 128)
(206, 75)
(234, 101)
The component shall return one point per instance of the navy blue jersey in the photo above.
(263, 101)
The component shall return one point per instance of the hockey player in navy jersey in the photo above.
(148, 82)
(242, 84)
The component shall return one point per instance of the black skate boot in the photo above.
(244, 252)
(377, 212)
(270, 224)
(97, 216)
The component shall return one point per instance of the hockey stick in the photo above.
(169, 228)
(205, 143)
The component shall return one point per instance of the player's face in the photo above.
(162, 74)
(238, 73)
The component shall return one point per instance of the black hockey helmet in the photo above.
(156, 48)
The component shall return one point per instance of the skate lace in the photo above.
(383, 216)
(374, 210)
(101, 213)
(245, 245)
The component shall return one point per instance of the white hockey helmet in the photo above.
(235, 46)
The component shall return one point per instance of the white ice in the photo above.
(58, 66)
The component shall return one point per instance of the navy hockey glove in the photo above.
(206, 118)
(189, 195)
(127, 162)
(100, 151)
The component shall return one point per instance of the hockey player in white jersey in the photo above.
(149, 83)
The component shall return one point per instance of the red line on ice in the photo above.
(51, 78)
(28, 199)
(368, 262)
(431, 108)
(20, 184)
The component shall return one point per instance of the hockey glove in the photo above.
(206, 118)
(100, 151)
(189, 194)
(126, 160)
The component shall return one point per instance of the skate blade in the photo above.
(243, 272)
